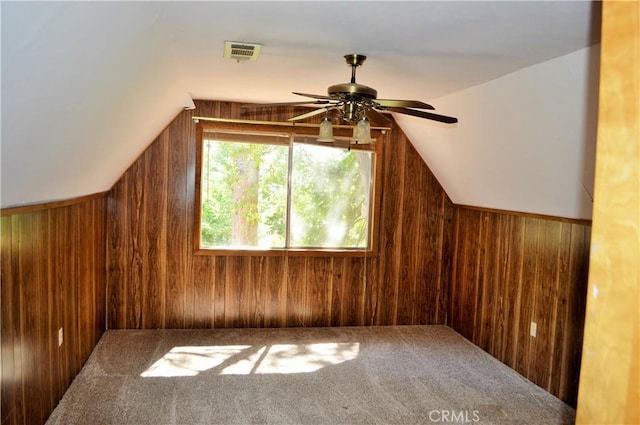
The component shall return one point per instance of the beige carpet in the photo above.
(380, 375)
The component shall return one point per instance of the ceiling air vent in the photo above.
(241, 51)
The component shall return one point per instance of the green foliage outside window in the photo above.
(247, 203)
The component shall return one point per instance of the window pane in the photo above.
(244, 195)
(330, 197)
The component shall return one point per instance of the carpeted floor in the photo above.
(379, 375)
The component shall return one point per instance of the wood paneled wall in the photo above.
(510, 270)
(53, 275)
(486, 274)
(155, 281)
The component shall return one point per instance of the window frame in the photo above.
(303, 130)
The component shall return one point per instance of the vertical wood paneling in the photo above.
(560, 322)
(260, 281)
(204, 286)
(319, 291)
(337, 292)
(12, 401)
(363, 279)
(527, 295)
(513, 289)
(275, 292)
(411, 218)
(296, 291)
(575, 313)
(354, 287)
(428, 255)
(155, 280)
(33, 305)
(154, 259)
(177, 294)
(391, 231)
(511, 270)
(117, 258)
(233, 293)
(220, 292)
(99, 243)
(53, 275)
(134, 277)
(445, 270)
(250, 308)
(546, 305)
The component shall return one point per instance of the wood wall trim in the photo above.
(610, 379)
(525, 214)
(215, 124)
(280, 123)
(4, 212)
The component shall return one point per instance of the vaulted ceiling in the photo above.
(87, 86)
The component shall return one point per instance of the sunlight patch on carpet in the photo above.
(248, 359)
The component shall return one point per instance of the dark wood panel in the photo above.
(117, 254)
(296, 291)
(134, 277)
(275, 292)
(411, 219)
(574, 313)
(53, 276)
(11, 405)
(509, 271)
(33, 308)
(391, 230)
(154, 254)
(364, 281)
(156, 281)
(203, 286)
(319, 291)
(220, 291)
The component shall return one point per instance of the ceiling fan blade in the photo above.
(315, 96)
(268, 105)
(397, 103)
(427, 115)
(308, 114)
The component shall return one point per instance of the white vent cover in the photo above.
(241, 51)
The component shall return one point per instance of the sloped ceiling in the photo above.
(86, 86)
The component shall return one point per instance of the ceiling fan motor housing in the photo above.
(353, 91)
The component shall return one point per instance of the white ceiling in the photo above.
(86, 86)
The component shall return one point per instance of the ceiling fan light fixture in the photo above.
(326, 131)
(362, 132)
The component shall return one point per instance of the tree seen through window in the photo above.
(277, 192)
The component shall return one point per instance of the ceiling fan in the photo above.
(352, 101)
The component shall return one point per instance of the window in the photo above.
(269, 191)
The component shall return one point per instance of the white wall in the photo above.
(524, 142)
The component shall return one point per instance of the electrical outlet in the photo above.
(533, 330)
(60, 336)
